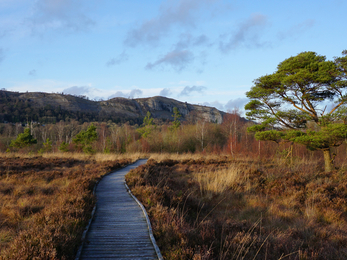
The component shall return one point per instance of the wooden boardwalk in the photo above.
(119, 229)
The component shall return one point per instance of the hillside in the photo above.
(53, 107)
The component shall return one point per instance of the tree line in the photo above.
(230, 137)
(152, 135)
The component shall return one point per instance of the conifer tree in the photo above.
(23, 140)
(84, 139)
(302, 102)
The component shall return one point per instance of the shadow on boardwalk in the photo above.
(119, 229)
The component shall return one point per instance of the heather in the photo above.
(227, 208)
(46, 203)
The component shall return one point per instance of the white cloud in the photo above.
(134, 93)
(215, 104)
(236, 103)
(165, 92)
(75, 90)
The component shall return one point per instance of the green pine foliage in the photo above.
(176, 123)
(64, 147)
(148, 125)
(47, 146)
(23, 140)
(84, 139)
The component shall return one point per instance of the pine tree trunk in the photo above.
(327, 160)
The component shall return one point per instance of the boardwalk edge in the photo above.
(78, 255)
(157, 250)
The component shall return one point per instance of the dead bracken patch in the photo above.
(221, 208)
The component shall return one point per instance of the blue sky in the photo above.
(198, 51)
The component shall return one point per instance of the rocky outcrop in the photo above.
(161, 107)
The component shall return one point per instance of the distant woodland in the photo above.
(153, 136)
(16, 110)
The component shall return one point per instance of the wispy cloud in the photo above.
(118, 60)
(132, 94)
(201, 40)
(59, 15)
(187, 40)
(177, 59)
(246, 35)
(172, 13)
(188, 90)
(296, 30)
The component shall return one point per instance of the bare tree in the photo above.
(231, 123)
(103, 135)
(60, 127)
(201, 132)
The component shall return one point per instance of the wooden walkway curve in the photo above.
(119, 229)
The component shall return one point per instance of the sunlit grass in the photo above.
(216, 207)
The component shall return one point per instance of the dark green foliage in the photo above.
(64, 147)
(328, 136)
(271, 135)
(148, 125)
(84, 139)
(47, 146)
(23, 140)
(176, 123)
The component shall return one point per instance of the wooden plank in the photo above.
(119, 229)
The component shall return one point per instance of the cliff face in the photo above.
(162, 108)
(116, 108)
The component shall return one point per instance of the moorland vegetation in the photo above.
(46, 203)
(220, 207)
(213, 191)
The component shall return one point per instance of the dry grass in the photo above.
(218, 181)
(185, 156)
(45, 203)
(208, 208)
(99, 157)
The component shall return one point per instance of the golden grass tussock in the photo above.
(220, 180)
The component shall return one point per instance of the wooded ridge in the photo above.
(53, 107)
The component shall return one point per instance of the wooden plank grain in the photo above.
(119, 229)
